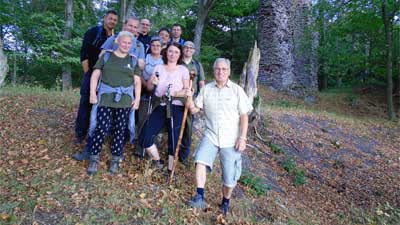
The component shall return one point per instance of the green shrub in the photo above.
(255, 184)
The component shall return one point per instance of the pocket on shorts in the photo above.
(238, 169)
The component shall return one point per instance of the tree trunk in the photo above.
(69, 21)
(3, 64)
(202, 13)
(248, 78)
(389, 57)
(123, 11)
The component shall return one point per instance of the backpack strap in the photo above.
(99, 30)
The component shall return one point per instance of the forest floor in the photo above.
(333, 162)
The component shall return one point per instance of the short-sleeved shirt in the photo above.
(199, 74)
(175, 78)
(150, 64)
(137, 48)
(222, 109)
(116, 72)
(91, 47)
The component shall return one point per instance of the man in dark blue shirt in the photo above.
(90, 50)
(144, 34)
(177, 34)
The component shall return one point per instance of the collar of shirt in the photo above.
(228, 84)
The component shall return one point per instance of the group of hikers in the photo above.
(135, 85)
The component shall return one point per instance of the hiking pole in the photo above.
(149, 110)
(178, 146)
(169, 113)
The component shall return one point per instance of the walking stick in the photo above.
(178, 146)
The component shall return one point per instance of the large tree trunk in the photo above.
(123, 11)
(69, 19)
(387, 21)
(202, 13)
(3, 64)
(248, 78)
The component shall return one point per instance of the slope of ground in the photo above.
(335, 162)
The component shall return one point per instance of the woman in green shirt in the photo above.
(117, 94)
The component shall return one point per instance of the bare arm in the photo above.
(241, 140)
(85, 65)
(94, 80)
(138, 89)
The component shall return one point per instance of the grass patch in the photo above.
(289, 165)
(255, 184)
(275, 148)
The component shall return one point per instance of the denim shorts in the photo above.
(231, 160)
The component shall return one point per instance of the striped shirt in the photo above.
(222, 109)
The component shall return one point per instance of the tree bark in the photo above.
(69, 19)
(248, 78)
(3, 64)
(123, 11)
(202, 13)
(387, 21)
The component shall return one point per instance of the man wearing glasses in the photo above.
(226, 107)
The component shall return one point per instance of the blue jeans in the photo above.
(83, 117)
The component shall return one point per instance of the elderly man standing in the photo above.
(91, 47)
(144, 37)
(226, 109)
(196, 69)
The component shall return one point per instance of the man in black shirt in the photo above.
(144, 37)
(90, 50)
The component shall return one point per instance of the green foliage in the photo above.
(275, 148)
(289, 165)
(254, 183)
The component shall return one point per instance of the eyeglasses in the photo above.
(221, 69)
(189, 47)
(145, 24)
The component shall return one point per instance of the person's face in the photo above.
(110, 21)
(176, 32)
(173, 54)
(221, 72)
(155, 47)
(145, 26)
(188, 51)
(164, 35)
(124, 44)
(132, 26)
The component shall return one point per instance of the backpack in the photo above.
(107, 55)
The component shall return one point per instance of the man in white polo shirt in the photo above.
(226, 108)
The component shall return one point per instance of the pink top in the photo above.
(175, 78)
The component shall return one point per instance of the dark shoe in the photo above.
(82, 155)
(197, 202)
(94, 161)
(114, 164)
(225, 208)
